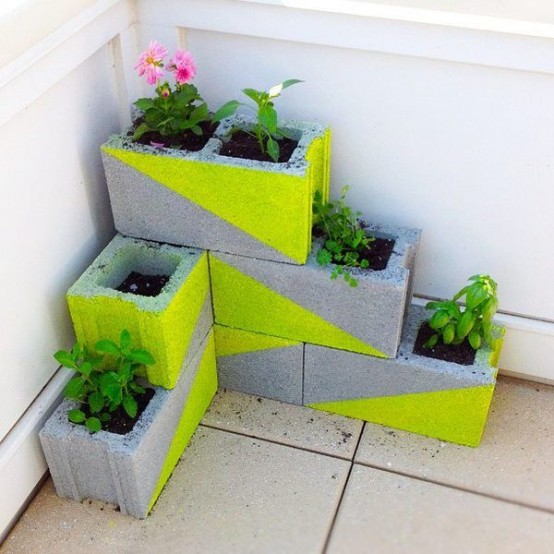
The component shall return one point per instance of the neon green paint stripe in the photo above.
(457, 415)
(202, 391)
(275, 208)
(229, 341)
(243, 303)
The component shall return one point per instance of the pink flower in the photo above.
(183, 66)
(150, 62)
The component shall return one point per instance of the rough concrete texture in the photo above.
(454, 414)
(331, 374)
(160, 214)
(302, 300)
(247, 195)
(170, 325)
(273, 371)
(124, 469)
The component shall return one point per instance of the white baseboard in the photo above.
(22, 464)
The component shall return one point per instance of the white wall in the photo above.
(444, 126)
(56, 110)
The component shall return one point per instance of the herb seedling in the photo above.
(453, 325)
(345, 239)
(266, 129)
(102, 391)
(173, 111)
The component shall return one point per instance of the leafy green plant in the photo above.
(266, 129)
(174, 110)
(345, 239)
(101, 391)
(453, 326)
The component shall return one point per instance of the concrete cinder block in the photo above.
(215, 202)
(130, 470)
(170, 325)
(424, 395)
(302, 303)
(259, 364)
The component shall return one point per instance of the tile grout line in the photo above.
(458, 488)
(341, 498)
(274, 441)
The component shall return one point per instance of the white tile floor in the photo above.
(264, 477)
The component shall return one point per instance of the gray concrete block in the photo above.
(332, 375)
(163, 215)
(121, 469)
(169, 325)
(147, 207)
(272, 372)
(371, 313)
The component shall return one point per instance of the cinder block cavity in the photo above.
(205, 200)
(411, 392)
(302, 303)
(171, 325)
(258, 364)
(130, 470)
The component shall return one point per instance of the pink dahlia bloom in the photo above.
(150, 62)
(183, 66)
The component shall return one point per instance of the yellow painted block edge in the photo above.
(457, 415)
(229, 341)
(274, 208)
(200, 396)
(242, 302)
(165, 334)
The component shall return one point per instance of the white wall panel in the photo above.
(55, 219)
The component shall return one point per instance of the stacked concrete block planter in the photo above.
(259, 364)
(206, 200)
(423, 395)
(302, 303)
(169, 325)
(131, 470)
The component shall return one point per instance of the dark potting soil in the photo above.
(462, 354)
(143, 285)
(186, 141)
(120, 422)
(243, 145)
(379, 252)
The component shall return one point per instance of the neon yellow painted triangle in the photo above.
(199, 398)
(279, 205)
(242, 302)
(457, 415)
(229, 341)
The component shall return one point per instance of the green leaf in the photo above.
(431, 341)
(85, 368)
(489, 309)
(324, 257)
(277, 89)
(93, 424)
(448, 334)
(96, 402)
(104, 417)
(141, 357)
(273, 149)
(465, 325)
(140, 130)
(267, 116)
(197, 130)
(144, 104)
(439, 320)
(226, 110)
(114, 393)
(253, 94)
(475, 295)
(125, 339)
(130, 405)
(74, 388)
(108, 347)
(65, 358)
(135, 387)
(76, 416)
(200, 113)
(475, 340)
